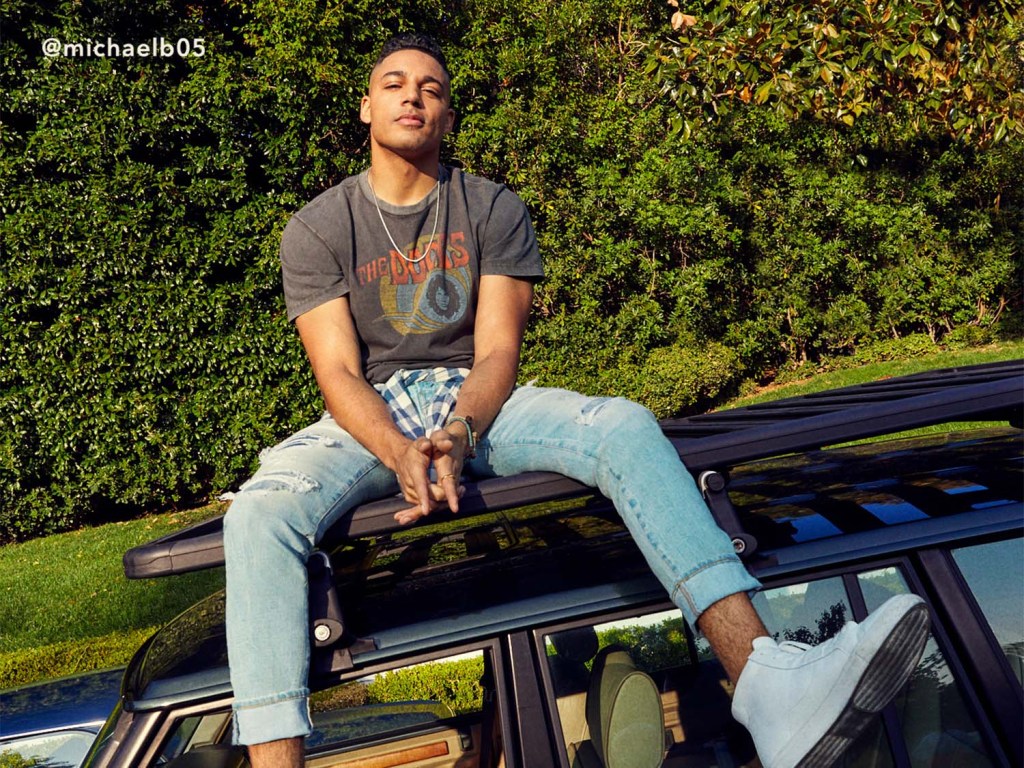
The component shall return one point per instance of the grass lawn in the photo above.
(65, 605)
(846, 377)
(877, 371)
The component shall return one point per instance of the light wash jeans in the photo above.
(307, 482)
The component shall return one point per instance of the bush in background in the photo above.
(144, 354)
(454, 683)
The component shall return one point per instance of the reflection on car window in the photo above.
(995, 573)
(937, 727)
(810, 612)
(436, 711)
(53, 750)
(432, 711)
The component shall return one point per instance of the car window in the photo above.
(696, 693)
(695, 696)
(995, 573)
(937, 728)
(195, 732)
(435, 713)
(431, 711)
(810, 612)
(65, 749)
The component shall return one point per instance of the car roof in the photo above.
(407, 590)
(81, 701)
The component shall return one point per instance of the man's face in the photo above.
(407, 107)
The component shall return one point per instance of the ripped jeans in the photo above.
(311, 479)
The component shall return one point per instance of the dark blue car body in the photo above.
(56, 721)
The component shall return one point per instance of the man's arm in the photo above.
(329, 336)
(503, 308)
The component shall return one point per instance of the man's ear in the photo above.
(364, 109)
(451, 121)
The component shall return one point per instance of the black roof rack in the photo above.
(708, 442)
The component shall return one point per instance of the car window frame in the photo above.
(167, 720)
(991, 689)
(909, 568)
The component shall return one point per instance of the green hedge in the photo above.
(454, 683)
(653, 648)
(144, 354)
(9, 759)
(69, 657)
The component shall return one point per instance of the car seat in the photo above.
(573, 649)
(624, 715)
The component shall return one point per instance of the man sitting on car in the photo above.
(410, 285)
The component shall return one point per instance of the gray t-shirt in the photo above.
(410, 312)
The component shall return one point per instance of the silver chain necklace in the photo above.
(437, 211)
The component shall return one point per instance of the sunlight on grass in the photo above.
(876, 371)
(72, 585)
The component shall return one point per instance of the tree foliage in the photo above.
(144, 353)
(954, 64)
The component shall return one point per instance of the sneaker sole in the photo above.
(890, 667)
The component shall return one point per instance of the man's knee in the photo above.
(619, 415)
(258, 520)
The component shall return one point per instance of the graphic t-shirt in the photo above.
(413, 309)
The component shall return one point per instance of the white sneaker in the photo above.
(805, 705)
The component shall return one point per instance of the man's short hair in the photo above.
(417, 41)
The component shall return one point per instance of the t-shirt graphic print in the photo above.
(429, 291)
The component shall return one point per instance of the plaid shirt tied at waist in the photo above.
(404, 411)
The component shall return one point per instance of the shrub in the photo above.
(69, 657)
(145, 358)
(653, 648)
(454, 683)
(9, 759)
(955, 65)
(684, 379)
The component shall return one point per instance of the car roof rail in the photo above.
(709, 442)
(989, 392)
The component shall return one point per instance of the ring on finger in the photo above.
(445, 477)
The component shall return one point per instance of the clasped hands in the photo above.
(446, 452)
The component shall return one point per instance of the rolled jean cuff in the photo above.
(709, 583)
(283, 718)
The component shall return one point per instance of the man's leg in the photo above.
(731, 625)
(283, 753)
(802, 706)
(616, 446)
(302, 486)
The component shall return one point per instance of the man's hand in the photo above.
(503, 307)
(449, 454)
(446, 452)
(411, 469)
